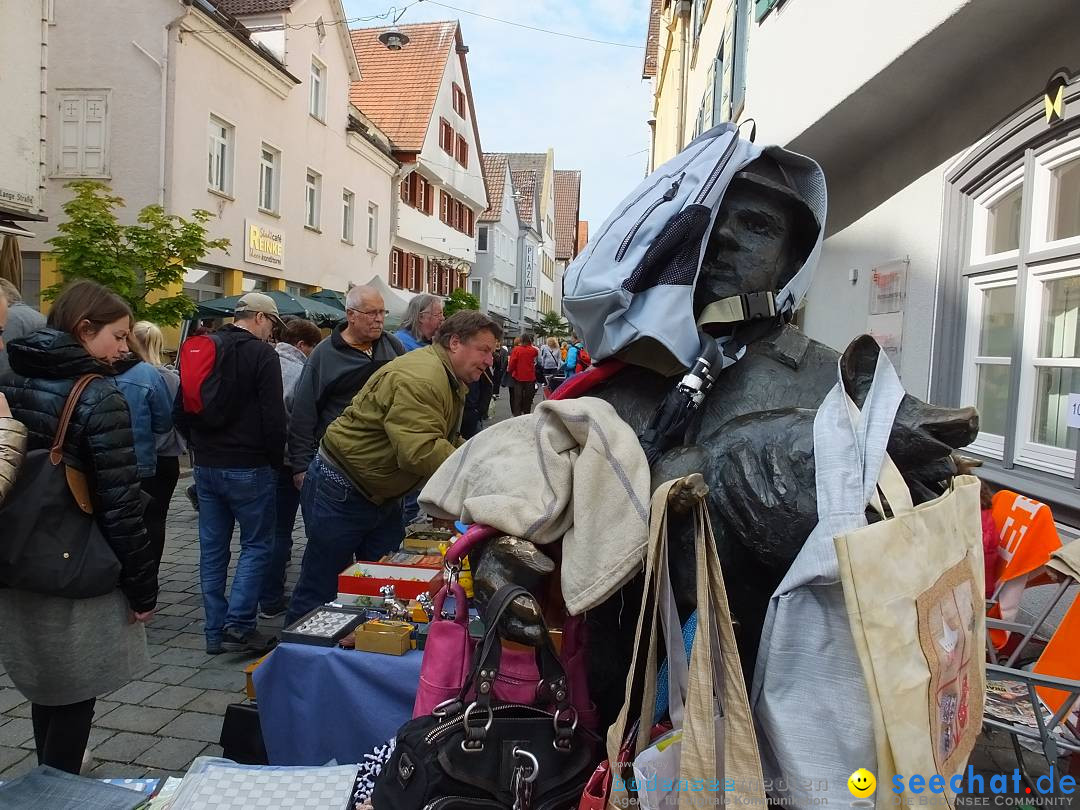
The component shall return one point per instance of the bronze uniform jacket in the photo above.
(402, 425)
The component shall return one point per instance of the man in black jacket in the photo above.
(234, 475)
(336, 371)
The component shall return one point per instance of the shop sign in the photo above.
(1054, 98)
(530, 274)
(20, 199)
(263, 245)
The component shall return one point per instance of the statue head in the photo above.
(762, 234)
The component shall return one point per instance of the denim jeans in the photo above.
(410, 508)
(228, 496)
(287, 502)
(339, 522)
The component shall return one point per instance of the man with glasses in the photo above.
(336, 371)
(423, 317)
(389, 441)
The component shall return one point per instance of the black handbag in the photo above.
(51, 543)
(487, 754)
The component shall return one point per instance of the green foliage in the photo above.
(552, 324)
(134, 261)
(459, 300)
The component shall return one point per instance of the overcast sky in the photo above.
(534, 90)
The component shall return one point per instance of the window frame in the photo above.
(461, 151)
(275, 179)
(348, 216)
(372, 227)
(227, 159)
(458, 100)
(312, 200)
(483, 229)
(446, 136)
(396, 260)
(317, 89)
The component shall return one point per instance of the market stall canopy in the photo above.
(331, 297)
(392, 301)
(322, 313)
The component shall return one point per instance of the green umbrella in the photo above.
(320, 312)
(331, 297)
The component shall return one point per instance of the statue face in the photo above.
(751, 247)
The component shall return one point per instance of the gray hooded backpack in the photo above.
(630, 293)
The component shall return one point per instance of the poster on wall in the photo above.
(888, 295)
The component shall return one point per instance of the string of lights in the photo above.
(394, 14)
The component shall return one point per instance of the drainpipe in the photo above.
(682, 10)
(43, 110)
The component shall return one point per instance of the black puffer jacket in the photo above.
(99, 442)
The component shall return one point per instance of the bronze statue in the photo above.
(752, 439)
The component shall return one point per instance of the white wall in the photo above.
(499, 272)
(92, 47)
(208, 83)
(21, 48)
(908, 224)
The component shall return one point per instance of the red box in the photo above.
(409, 581)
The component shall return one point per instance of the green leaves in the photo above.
(552, 324)
(137, 261)
(459, 300)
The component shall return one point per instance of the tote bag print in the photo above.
(947, 634)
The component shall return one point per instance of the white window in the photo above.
(348, 207)
(317, 90)
(482, 239)
(372, 226)
(269, 179)
(476, 286)
(83, 138)
(219, 167)
(312, 199)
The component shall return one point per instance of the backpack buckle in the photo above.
(757, 305)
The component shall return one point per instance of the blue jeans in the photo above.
(287, 501)
(340, 522)
(410, 507)
(228, 496)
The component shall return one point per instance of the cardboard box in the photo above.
(249, 672)
(426, 545)
(366, 578)
(388, 638)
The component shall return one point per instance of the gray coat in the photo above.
(22, 320)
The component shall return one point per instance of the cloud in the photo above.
(534, 90)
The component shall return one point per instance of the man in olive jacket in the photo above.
(402, 425)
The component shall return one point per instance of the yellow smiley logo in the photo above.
(862, 783)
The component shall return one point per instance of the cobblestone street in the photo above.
(156, 725)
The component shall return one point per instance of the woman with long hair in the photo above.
(63, 653)
(146, 387)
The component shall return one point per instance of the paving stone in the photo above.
(214, 701)
(173, 697)
(189, 641)
(16, 732)
(10, 756)
(137, 718)
(5, 680)
(124, 747)
(158, 635)
(183, 657)
(135, 692)
(173, 610)
(99, 735)
(195, 726)
(171, 674)
(170, 597)
(171, 622)
(22, 710)
(28, 763)
(171, 754)
(117, 770)
(9, 699)
(103, 707)
(223, 679)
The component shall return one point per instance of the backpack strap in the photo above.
(739, 308)
(56, 452)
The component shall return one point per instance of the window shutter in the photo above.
(395, 268)
(444, 206)
(94, 135)
(414, 188)
(418, 276)
(71, 116)
(429, 198)
(738, 73)
(433, 277)
(719, 110)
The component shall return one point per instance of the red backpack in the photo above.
(207, 378)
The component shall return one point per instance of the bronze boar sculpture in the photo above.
(752, 439)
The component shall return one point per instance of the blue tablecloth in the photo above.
(323, 703)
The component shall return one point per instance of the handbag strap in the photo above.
(56, 452)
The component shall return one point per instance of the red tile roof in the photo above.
(652, 41)
(398, 88)
(567, 204)
(495, 175)
(241, 7)
(524, 196)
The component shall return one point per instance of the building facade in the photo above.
(422, 98)
(174, 102)
(952, 233)
(567, 211)
(24, 38)
(494, 280)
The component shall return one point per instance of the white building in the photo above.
(421, 97)
(24, 38)
(495, 276)
(954, 201)
(174, 102)
(533, 174)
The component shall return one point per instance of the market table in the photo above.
(323, 703)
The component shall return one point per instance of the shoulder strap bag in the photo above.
(51, 543)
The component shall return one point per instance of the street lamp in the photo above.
(393, 39)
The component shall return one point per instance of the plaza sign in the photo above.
(263, 245)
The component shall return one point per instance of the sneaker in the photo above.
(214, 648)
(192, 496)
(253, 641)
(273, 611)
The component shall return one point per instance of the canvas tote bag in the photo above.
(714, 674)
(914, 586)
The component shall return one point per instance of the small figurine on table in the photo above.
(395, 609)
